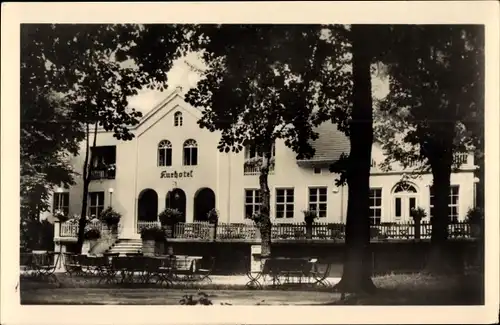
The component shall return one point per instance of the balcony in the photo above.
(108, 172)
(252, 166)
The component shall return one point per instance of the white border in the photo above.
(482, 12)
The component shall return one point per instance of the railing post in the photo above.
(417, 222)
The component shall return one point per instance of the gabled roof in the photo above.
(329, 146)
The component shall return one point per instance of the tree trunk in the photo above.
(356, 276)
(265, 207)
(87, 171)
(441, 172)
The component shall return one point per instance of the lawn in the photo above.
(393, 289)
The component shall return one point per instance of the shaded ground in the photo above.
(394, 289)
(421, 289)
(158, 296)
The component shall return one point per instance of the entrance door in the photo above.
(176, 199)
(204, 201)
(405, 199)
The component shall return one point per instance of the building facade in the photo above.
(172, 162)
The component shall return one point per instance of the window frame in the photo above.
(166, 150)
(255, 204)
(285, 203)
(178, 119)
(318, 201)
(191, 146)
(58, 198)
(451, 206)
(374, 207)
(99, 207)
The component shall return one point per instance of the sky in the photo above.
(182, 75)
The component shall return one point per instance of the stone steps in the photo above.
(123, 246)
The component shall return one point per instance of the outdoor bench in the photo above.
(282, 270)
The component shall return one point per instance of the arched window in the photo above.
(190, 153)
(178, 119)
(165, 153)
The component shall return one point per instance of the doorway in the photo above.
(148, 206)
(176, 199)
(204, 201)
(405, 199)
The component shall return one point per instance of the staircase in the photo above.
(123, 246)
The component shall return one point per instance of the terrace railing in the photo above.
(196, 230)
(285, 231)
(242, 231)
(146, 224)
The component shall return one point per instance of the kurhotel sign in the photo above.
(165, 174)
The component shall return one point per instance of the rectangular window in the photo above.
(413, 204)
(318, 200)
(96, 204)
(284, 202)
(253, 151)
(190, 156)
(375, 205)
(452, 205)
(317, 170)
(252, 202)
(61, 202)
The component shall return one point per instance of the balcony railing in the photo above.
(255, 170)
(461, 158)
(70, 229)
(97, 174)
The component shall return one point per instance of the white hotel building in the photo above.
(173, 162)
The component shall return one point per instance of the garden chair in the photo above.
(72, 265)
(45, 265)
(320, 277)
(206, 270)
(165, 272)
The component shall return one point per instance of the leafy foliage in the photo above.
(310, 216)
(36, 235)
(202, 299)
(170, 216)
(436, 91)
(152, 233)
(263, 83)
(110, 216)
(418, 213)
(92, 233)
(213, 216)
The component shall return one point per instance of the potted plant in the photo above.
(90, 236)
(213, 219)
(309, 217)
(475, 219)
(150, 236)
(417, 214)
(60, 216)
(111, 218)
(168, 219)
